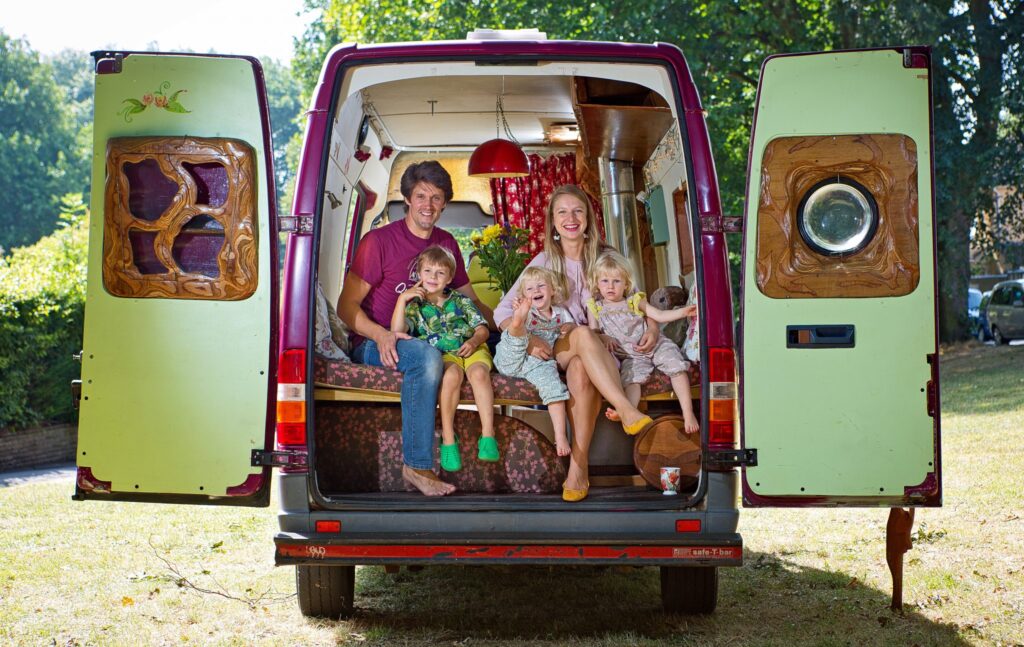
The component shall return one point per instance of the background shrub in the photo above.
(42, 299)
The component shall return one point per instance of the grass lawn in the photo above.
(130, 574)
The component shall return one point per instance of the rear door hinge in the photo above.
(745, 457)
(302, 224)
(278, 459)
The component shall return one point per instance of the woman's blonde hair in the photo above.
(610, 262)
(535, 273)
(592, 245)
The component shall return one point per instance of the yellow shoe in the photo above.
(637, 426)
(573, 496)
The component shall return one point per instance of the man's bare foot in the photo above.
(690, 424)
(426, 482)
(611, 414)
(562, 445)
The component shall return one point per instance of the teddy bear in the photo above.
(669, 298)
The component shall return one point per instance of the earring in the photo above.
(585, 235)
(557, 237)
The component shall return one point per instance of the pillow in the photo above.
(331, 333)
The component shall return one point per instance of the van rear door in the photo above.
(178, 363)
(839, 374)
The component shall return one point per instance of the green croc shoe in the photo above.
(487, 449)
(450, 459)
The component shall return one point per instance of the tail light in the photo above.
(291, 397)
(721, 398)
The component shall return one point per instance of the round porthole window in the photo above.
(837, 217)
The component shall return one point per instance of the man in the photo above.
(383, 269)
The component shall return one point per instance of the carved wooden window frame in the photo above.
(888, 266)
(237, 259)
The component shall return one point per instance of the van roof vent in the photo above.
(506, 34)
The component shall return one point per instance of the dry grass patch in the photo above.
(111, 574)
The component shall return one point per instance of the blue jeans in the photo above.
(421, 367)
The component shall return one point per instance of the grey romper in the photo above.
(627, 325)
(510, 356)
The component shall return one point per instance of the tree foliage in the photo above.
(284, 94)
(977, 98)
(40, 157)
(42, 297)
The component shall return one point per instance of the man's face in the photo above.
(426, 202)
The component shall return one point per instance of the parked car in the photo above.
(973, 302)
(983, 332)
(200, 376)
(1006, 311)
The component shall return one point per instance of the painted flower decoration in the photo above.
(159, 98)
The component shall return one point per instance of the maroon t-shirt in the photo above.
(384, 259)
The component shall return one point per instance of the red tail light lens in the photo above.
(722, 396)
(291, 397)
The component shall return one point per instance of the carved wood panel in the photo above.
(180, 218)
(888, 265)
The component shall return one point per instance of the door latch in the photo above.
(745, 457)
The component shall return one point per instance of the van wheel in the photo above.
(689, 589)
(997, 335)
(325, 591)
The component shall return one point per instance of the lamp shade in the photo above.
(498, 158)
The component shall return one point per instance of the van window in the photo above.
(180, 218)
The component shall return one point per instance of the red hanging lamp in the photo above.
(499, 158)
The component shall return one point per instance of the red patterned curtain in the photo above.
(527, 197)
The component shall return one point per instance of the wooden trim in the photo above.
(330, 393)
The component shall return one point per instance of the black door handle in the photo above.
(824, 336)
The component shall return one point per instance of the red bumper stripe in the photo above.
(573, 553)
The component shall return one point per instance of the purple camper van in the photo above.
(210, 360)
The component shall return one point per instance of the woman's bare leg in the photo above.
(584, 404)
(583, 343)
(479, 376)
(448, 400)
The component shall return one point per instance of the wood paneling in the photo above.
(888, 266)
(629, 133)
(236, 259)
(686, 242)
(665, 444)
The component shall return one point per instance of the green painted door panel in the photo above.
(175, 390)
(839, 426)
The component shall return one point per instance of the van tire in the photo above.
(326, 591)
(689, 589)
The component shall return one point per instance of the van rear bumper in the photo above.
(702, 551)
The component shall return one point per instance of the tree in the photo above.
(977, 98)
(40, 159)
(284, 94)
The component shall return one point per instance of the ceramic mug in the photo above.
(670, 481)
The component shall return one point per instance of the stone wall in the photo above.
(37, 446)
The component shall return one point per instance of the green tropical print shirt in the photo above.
(445, 327)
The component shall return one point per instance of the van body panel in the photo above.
(178, 392)
(840, 425)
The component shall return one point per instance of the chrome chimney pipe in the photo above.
(618, 198)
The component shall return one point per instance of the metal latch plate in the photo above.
(278, 459)
(746, 457)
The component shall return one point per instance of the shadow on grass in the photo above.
(982, 379)
(768, 601)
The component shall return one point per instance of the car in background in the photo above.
(973, 305)
(1006, 311)
(983, 333)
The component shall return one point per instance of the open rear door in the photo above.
(177, 367)
(839, 348)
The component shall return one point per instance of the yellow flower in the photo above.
(476, 236)
(490, 233)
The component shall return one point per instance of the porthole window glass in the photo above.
(837, 217)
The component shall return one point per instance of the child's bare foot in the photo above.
(690, 424)
(426, 482)
(611, 414)
(562, 445)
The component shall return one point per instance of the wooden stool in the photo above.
(664, 444)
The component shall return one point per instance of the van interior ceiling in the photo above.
(618, 123)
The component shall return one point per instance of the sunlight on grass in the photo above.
(127, 574)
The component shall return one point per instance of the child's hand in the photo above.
(521, 310)
(417, 291)
(610, 344)
(690, 310)
(467, 348)
(566, 328)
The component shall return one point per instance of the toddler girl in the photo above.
(535, 313)
(622, 322)
(451, 323)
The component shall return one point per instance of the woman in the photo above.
(571, 245)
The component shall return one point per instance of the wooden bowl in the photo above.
(664, 444)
